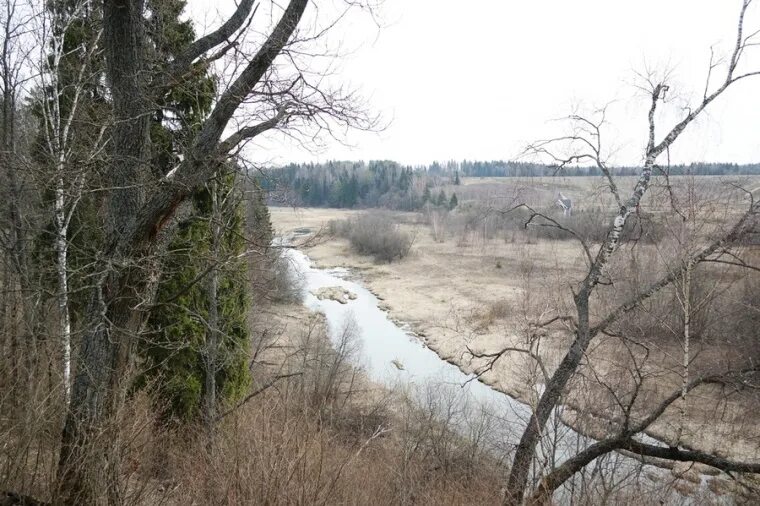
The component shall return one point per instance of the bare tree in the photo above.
(587, 135)
(15, 23)
(70, 155)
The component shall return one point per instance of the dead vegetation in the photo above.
(466, 285)
(483, 318)
(375, 234)
(313, 431)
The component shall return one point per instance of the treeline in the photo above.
(388, 184)
(501, 168)
(348, 184)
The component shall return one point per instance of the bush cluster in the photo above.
(376, 234)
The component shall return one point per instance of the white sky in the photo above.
(480, 79)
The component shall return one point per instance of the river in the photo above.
(392, 355)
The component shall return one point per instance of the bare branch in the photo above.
(208, 42)
(266, 386)
(252, 131)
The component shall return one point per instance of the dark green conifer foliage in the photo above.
(442, 200)
(173, 349)
(454, 201)
(186, 103)
(259, 222)
(426, 194)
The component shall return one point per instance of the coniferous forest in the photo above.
(383, 183)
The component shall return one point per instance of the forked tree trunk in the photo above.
(115, 315)
(555, 386)
(518, 476)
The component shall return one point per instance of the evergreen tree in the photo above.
(175, 346)
(426, 194)
(442, 200)
(182, 108)
(259, 220)
(453, 202)
(457, 181)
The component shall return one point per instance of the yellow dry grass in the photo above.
(454, 296)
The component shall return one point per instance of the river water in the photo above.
(391, 355)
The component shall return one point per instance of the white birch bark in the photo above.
(68, 186)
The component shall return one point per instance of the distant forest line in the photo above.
(384, 183)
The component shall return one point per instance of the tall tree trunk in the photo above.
(112, 317)
(62, 267)
(57, 130)
(555, 386)
(133, 229)
(212, 332)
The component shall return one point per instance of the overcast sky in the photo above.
(481, 79)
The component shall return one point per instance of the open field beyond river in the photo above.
(466, 296)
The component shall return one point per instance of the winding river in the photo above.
(392, 355)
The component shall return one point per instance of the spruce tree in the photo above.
(426, 194)
(175, 347)
(260, 229)
(453, 202)
(442, 200)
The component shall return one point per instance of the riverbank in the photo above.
(476, 298)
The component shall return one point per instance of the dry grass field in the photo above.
(469, 294)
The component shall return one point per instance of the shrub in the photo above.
(285, 285)
(339, 228)
(486, 316)
(376, 235)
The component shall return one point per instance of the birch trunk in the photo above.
(58, 141)
(64, 315)
(686, 306)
